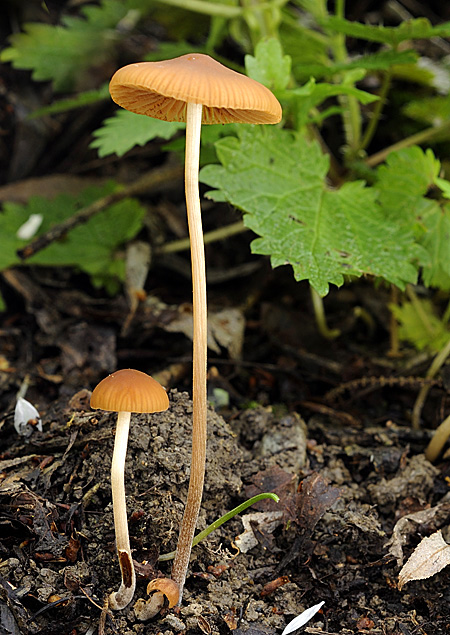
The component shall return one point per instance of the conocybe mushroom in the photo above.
(196, 89)
(125, 391)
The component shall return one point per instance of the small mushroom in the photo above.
(125, 391)
(196, 89)
(160, 590)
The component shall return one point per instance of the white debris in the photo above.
(30, 227)
(25, 412)
(266, 521)
(301, 619)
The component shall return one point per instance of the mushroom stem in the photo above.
(198, 457)
(120, 599)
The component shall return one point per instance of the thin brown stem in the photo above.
(198, 460)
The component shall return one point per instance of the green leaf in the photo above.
(126, 129)
(436, 240)
(278, 179)
(312, 95)
(432, 110)
(404, 180)
(427, 332)
(443, 185)
(420, 28)
(269, 66)
(63, 53)
(92, 247)
(402, 184)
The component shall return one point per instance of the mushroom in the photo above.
(125, 391)
(196, 89)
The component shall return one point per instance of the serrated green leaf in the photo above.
(90, 247)
(269, 66)
(419, 28)
(278, 179)
(404, 180)
(62, 53)
(54, 53)
(402, 184)
(431, 333)
(436, 240)
(126, 129)
(443, 185)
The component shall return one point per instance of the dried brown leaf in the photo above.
(430, 556)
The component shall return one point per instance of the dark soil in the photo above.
(346, 471)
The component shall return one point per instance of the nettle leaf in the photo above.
(278, 179)
(126, 129)
(402, 183)
(62, 53)
(91, 247)
(436, 241)
(405, 179)
(419, 28)
(269, 66)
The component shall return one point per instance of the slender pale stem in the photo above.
(124, 595)
(198, 460)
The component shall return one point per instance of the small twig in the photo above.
(149, 182)
(419, 137)
(368, 384)
(221, 233)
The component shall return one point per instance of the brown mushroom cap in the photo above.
(162, 90)
(129, 391)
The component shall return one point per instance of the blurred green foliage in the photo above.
(298, 184)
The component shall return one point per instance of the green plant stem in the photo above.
(220, 521)
(437, 363)
(351, 115)
(420, 137)
(319, 314)
(209, 237)
(207, 8)
(378, 109)
(394, 344)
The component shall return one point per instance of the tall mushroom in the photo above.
(125, 391)
(196, 89)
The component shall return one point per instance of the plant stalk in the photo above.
(416, 139)
(124, 595)
(198, 459)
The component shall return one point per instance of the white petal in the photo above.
(301, 619)
(23, 413)
(30, 227)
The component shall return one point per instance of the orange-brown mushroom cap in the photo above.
(162, 90)
(129, 391)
